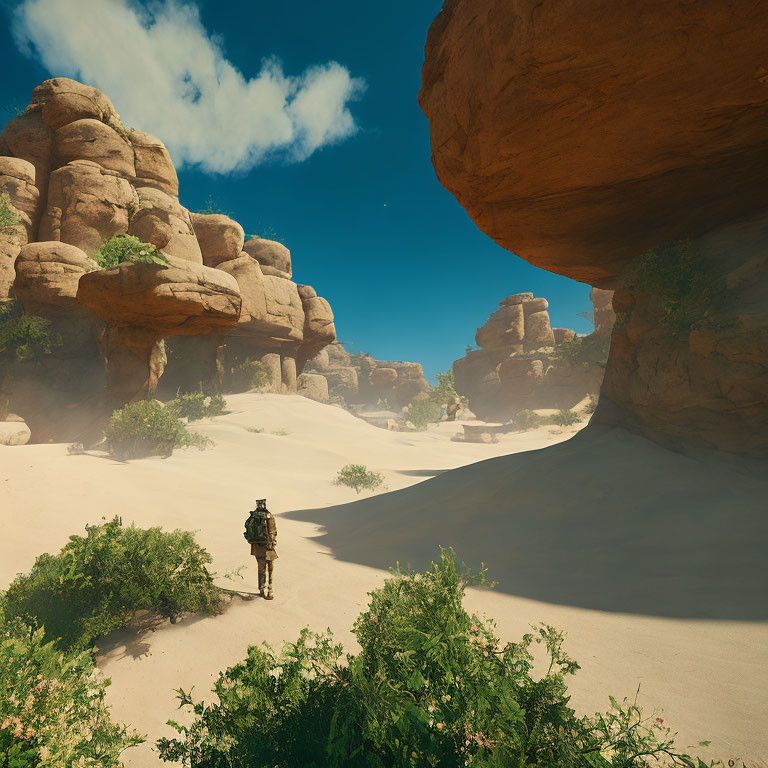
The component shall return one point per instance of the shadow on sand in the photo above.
(606, 520)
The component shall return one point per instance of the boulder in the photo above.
(17, 180)
(520, 378)
(47, 277)
(29, 138)
(516, 298)
(153, 163)
(11, 241)
(504, 329)
(530, 127)
(86, 205)
(179, 300)
(307, 292)
(342, 382)
(534, 305)
(64, 101)
(284, 307)
(563, 334)
(271, 255)
(538, 331)
(604, 316)
(320, 362)
(221, 238)
(319, 327)
(338, 357)
(93, 140)
(14, 433)
(314, 386)
(383, 378)
(159, 218)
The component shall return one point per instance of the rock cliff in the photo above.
(73, 177)
(623, 145)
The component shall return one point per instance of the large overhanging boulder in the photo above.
(221, 238)
(182, 299)
(580, 133)
(273, 257)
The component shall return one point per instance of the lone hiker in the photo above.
(261, 534)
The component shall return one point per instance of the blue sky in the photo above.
(342, 174)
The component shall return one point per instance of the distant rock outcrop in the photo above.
(74, 177)
(360, 380)
(525, 363)
(530, 130)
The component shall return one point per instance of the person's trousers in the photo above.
(265, 569)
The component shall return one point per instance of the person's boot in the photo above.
(270, 596)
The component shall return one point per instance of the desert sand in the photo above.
(652, 562)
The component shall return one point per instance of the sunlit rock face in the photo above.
(581, 134)
(74, 177)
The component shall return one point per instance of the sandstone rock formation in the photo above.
(75, 177)
(518, 365)
(580, 158)
(360, 380)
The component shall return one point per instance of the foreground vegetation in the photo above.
(431, 686)
(127, 248)
(98, 582)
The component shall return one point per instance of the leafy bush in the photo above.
(565, 418)
(24, 337)
(147, 428)
(98, 582)
(359, 477)
(687, 289)
(445, 391)
(196, 405)
(583, 350)
(431, 686)
(527, 419)
(52, 709)
(120, 248)
(250, 374)
(8, 216)
(423, 412)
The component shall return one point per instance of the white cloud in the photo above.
(167, 75)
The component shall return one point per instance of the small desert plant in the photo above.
(121, 248)
(24, 337)
(268, 233)
(212, 206)
(527, 419)
(250, 374)
(422, 412)
(584, 351)
(591, 406)
(8, 216)
(359, 477)
(565, 418)
(432, 685)
(99, 581)
(52, 706)
(147, 428)
(255, 430)
(194, 406)
(684, 285)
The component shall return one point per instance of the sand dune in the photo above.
(668, 547)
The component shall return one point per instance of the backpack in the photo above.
(256, 527)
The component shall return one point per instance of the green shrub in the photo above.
(212, 206)
(583, 350)
(98, 582)
(683, 283)
(120, 248)
(250, 374)
(8, 216)
(445, 391)
(147, 428)
(52, 708)
(196, 405)
(527, 419)
(359, 477)
(565, 418)
(431, 686)
(24, 337)
(423, 412)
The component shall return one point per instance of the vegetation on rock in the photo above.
(52, 707)
(445, 391)
(24, 337)
(681, 283)
(432, 685)
(147, 428)
(565, 418)
(359, 477)
(250, 374)
(122, 248)
(8, 215)
(584, 351)
(98, 582)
